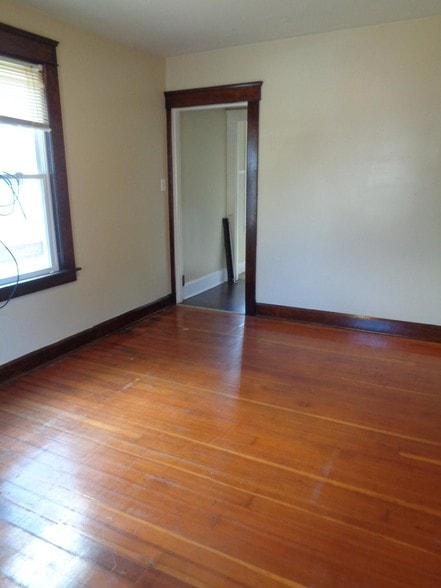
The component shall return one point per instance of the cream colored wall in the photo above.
(114, 125)
(203, 184)
(349, 213)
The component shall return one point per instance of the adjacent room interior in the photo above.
(213, 142)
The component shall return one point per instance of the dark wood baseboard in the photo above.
(39, 357)
(419, 331)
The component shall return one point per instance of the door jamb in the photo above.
(230, 94)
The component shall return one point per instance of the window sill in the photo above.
(40, 283)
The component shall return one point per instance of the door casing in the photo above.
(249, 93)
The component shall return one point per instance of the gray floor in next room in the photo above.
(230, 297)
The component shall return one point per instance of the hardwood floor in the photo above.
(209, 449)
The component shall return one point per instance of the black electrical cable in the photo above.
(14, 288)
(9, 180)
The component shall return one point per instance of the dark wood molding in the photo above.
(40, 283)
(46, 354)
(235, 93)
(248, 92)
(251, 208)
(171, 204)
(381, 326)
(21, 44)
(58, 172)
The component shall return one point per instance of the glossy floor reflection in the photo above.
(210, 449)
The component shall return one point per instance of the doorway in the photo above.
(210, 189)
(241, 95)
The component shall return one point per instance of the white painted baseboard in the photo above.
(205, 283)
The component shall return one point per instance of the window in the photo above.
(36, 249)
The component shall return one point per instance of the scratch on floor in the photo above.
(326, 470)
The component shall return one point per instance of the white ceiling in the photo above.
(174, 27)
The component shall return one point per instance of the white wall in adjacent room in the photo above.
(203, 190)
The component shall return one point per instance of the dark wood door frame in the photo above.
(251, 94)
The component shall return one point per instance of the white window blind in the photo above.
(22, 94)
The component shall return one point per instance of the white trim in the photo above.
(241, 267)
(236, 122)
(205, 283)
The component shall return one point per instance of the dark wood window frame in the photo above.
(28, 47)
(250, 93)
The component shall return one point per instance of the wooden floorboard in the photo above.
(201, 448)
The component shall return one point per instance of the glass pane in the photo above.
(24, 229)
(18, 149)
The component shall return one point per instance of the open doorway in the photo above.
(240, 96)
(210, 186)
